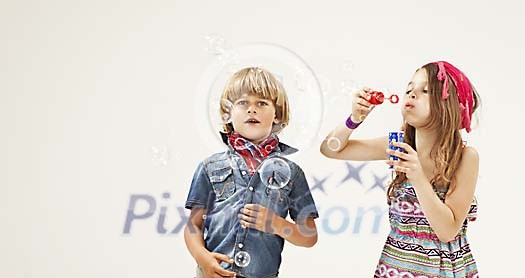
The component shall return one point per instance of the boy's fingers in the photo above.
(222, 257)
(248, 225)
(249, 212)
(254, 207)
(247, 218)
(225, 273)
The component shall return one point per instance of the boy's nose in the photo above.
(251, 109)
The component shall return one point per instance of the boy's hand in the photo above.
(260, 218)
(211, 267)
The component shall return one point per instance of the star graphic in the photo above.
(353, 173)
(379, 183)
(318, 184)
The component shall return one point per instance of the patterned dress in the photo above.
(413, 250)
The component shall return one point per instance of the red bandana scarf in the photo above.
(252, 153)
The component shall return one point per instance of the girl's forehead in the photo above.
(419, 79)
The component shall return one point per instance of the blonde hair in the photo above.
(259, 82)
(445, 116)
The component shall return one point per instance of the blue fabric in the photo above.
(222, 185)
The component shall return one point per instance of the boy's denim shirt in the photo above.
(222, 185)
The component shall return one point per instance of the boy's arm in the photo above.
(194, 238)
(302, 233)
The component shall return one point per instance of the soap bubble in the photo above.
(275, 173)
(242, 259)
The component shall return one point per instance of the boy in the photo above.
(235, 212)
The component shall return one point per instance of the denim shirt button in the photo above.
(243, 173)
(240, 245)
(250, 188)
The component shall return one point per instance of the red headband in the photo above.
(463, 89)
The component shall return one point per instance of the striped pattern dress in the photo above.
(413, 250)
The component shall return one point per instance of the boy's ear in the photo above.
(276, 120)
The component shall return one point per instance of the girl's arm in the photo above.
(337, 145)
(445, 218)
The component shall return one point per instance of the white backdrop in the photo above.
(103, 101)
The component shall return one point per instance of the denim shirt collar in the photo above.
(283, 148)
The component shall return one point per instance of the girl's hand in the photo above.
(361, 106)
(211, 267)
(408, 162)
(260, 218)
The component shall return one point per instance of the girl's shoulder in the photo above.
(470, 155)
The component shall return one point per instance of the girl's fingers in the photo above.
(399, 154)
(397, 165)
(401, 169)
(404, 146)
(364, 95)
(363, 102)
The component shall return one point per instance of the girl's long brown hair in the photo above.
(445, 116)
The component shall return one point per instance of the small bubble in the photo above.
(301, 78)
(334, 144)
(160, 155)
(348, 66)
(242, 259)
(226, 118)
(347, 87)
(214, 44)
(287, 231)
(324, 83)
(275, 173)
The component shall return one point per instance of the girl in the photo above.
(431, 197)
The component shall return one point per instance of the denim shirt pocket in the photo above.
(223, 183)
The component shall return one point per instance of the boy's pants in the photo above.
(200, 274)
